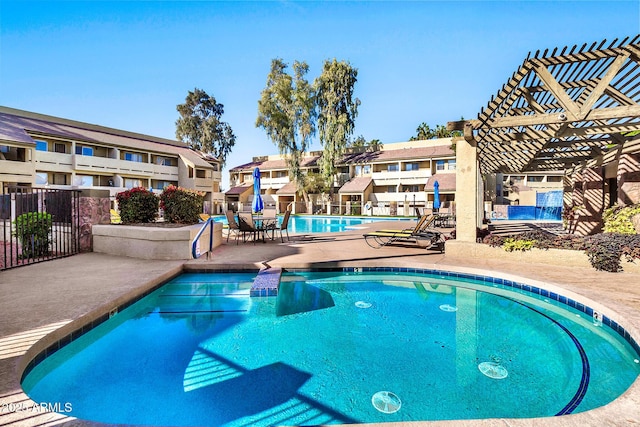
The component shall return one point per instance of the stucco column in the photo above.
(467, 192)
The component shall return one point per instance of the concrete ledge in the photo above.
(152, 242)
(561, 257)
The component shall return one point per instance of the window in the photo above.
(201, 173)
(281, 174)
(160, 185)
(132, 183)
(366, 169)
(133, 157)
(358, 170)
(59, 148)
(536, 178)
(452, 165)
(164, 161)
(42, 178)
(392, 168)
(411, 188)
(83, 150)
(84, 180)
(60, 179)
(42, 145)
(554, 179)
(411, 166)
(392, 189)
(440, 165)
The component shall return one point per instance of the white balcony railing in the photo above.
(385, 177)
(117, 166)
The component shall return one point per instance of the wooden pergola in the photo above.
(561, 110)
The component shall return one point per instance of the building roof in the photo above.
(17, 125)
(237, 190)
(384, 156)
(288, 190)
(560, 110)
(356, 185)
(274, 164)
(446, 182)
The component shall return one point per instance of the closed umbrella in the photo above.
(257, 204)
(436, 196)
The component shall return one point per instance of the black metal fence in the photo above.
(38, 225)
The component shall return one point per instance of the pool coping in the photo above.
(610, 414)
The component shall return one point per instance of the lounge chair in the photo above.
(247, 226)
(233, 226)
(420, 235)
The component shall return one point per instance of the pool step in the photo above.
(266, 283)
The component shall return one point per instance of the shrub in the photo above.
(137, 205)
(32, 229)
(605, 250)
(618, 219)
(510, 244)
(181, 205)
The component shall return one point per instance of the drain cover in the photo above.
(493, 370)
(362, 304)
(386, 402)
(448, 308)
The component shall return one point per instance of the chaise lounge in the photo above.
(421, 235)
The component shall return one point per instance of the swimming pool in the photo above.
(306, 224)
(338, 347)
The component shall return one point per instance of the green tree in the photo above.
(286, 111)
(360, 142)
(201, 127)
(423, 131)
(337, 111)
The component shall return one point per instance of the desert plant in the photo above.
(605, 250)
(617, 219)
(32, 229)
(137, 205)
(511, 244)
(181, 205)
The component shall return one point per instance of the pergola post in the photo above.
(468, 191)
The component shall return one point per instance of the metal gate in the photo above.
(38, 225)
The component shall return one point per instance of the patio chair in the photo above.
(284, 225)
(420, 235)
(272, 222)
(247, 226)
(233, 226)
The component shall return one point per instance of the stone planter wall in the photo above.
(560, 257)
(152, 242)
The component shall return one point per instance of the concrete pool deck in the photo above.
(39, 299)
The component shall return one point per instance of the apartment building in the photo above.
(391, 181)
(37, 150)
(400, 176)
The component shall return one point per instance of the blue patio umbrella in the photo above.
(257, 204)
(436, 195)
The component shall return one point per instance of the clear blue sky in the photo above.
(127, 64)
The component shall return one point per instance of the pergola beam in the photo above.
(561, 110)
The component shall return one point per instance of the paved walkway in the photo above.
(38, 299)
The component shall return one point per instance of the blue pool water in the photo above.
(335, 348)
(305, 224)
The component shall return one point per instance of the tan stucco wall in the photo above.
(152, 242)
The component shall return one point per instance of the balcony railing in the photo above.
(105, 164)
(380, 178)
